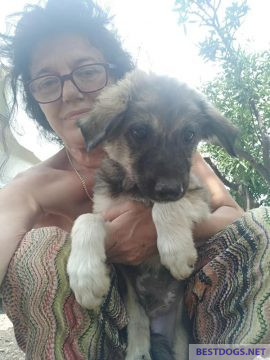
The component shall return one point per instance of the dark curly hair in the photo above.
(36, 23)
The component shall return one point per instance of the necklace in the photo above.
(79, 176)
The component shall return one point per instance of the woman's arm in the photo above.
(18, 214)
(224, 208)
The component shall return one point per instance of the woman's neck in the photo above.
(83, 160)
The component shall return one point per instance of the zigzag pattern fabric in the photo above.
(48, 322)
(228, 298)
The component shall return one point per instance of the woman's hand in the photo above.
(132, 234)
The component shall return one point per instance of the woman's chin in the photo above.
(75, 141)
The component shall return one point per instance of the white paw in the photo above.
(88, 273)
(179, 263)
(89, 284)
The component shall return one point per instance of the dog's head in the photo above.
(151, 126)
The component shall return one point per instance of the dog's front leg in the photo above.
(138, 326)
(174, 237)
(181, 336)
(87, 269)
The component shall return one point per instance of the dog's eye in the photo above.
(188, 136)
(139, 132)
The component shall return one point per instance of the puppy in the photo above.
(149, 126)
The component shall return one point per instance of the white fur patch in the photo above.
(174, 223)
(87, 269)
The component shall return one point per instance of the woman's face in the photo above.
(60, 56)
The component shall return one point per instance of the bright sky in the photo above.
(150, 32)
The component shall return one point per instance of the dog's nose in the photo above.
(168, 190)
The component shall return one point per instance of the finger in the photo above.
(115, 254)
(112, 245)
(115, 211)
(117, 249)
(127, 206)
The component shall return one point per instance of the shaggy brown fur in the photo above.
(150, 126)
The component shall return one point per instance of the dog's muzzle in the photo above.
(169, 190)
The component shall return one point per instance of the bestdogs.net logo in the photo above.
(229, 352)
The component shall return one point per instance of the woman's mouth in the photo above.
(76, 114)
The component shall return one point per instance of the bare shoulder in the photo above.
(50, 185)
(40, 176)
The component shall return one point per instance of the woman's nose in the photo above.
(70, 92)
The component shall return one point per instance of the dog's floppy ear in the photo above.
(216, 126)
(107, 115)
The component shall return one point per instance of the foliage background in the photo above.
(241, 91)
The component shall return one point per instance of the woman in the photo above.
(56, 47)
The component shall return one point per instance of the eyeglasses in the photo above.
(87, 79)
